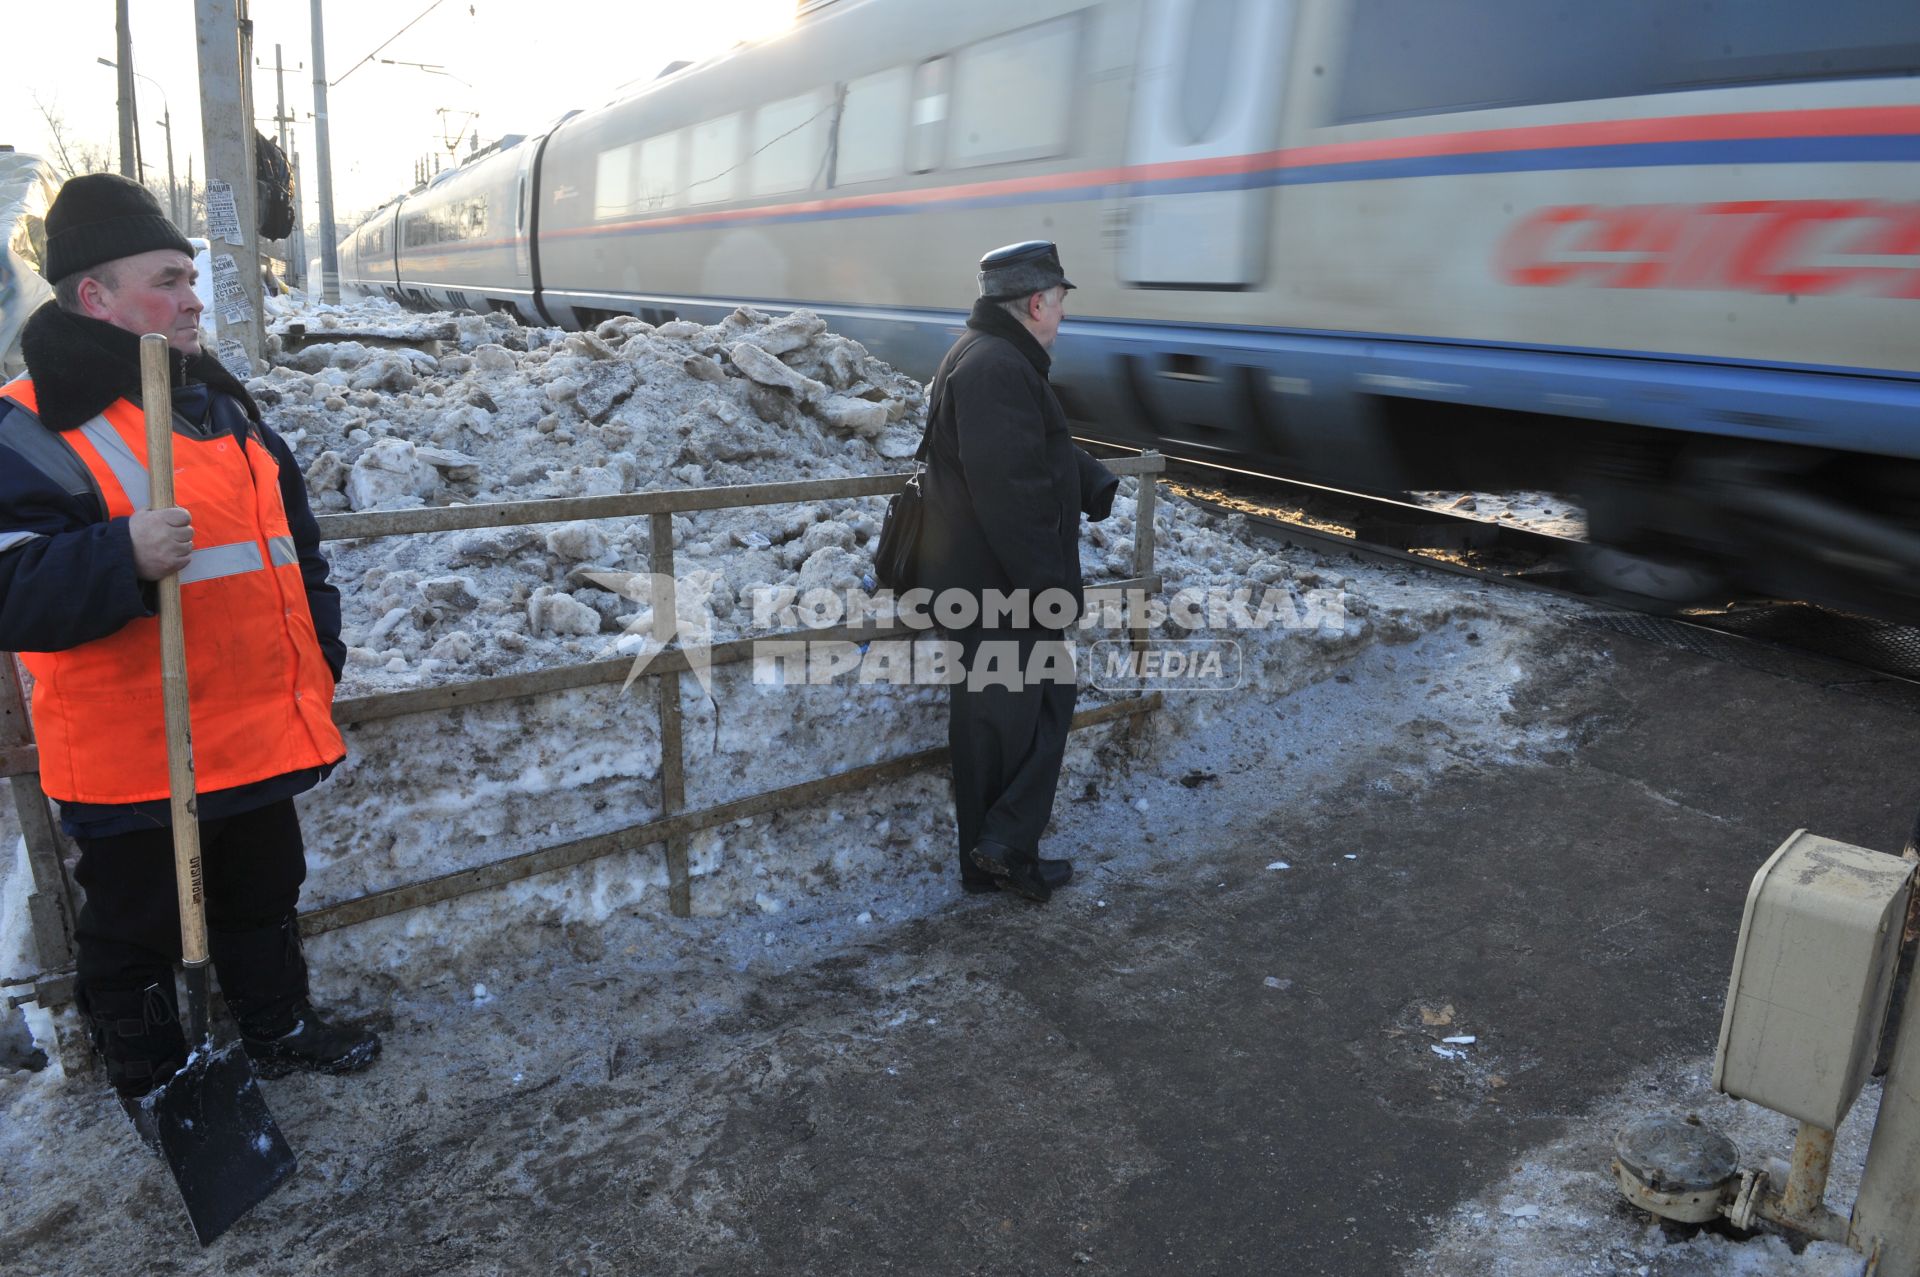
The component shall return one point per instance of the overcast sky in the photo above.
(516, 64)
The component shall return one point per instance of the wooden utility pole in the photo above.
(123, 68)
(323, 159)
(233, 223)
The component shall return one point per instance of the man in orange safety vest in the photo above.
(79, 553)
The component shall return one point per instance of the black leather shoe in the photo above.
(1055, 873)
(312, 1044)
(1012, 870)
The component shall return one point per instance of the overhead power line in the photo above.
(389, 40)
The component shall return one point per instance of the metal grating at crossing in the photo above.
(1876, 659)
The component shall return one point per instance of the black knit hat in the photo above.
(101, 217)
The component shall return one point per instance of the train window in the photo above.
(932, 93)
(613, 183)
(715, 161)
(1414, 57)
(1207, 68)
(1013, 95)
(789, 143)
(873, 127)
(656, 177)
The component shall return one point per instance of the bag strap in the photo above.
(935, 393)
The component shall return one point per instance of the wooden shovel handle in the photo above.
(156, 397)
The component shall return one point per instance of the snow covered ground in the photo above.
(1559, 1213)
(1549, 512)
(1375, 659)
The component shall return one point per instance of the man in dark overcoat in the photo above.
(1005, 488)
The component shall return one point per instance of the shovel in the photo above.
(222, 1145)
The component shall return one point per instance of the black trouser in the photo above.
(129, 926)
(1007, 742)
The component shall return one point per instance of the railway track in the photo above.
(1867, 655)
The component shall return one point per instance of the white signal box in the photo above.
(1811, 976)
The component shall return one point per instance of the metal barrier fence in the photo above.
(51, 907)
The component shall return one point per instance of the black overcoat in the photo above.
(1005, 484)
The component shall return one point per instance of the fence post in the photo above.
(673, 773)
(1143, 547)
(50, 907)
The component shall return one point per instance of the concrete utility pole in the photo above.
(298, 244)
(123, 59)
(173, 189)
(295, 266)
(166, 126)
(323, 156)
(233, 223)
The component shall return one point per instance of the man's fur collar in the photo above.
(81, 365)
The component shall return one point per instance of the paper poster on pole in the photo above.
(223, 217)
(230, 300)
(234, 356)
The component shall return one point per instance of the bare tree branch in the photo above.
(82, 158)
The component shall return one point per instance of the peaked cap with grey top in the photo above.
(1020, 270)
(102, 217)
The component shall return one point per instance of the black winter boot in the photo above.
(264, 977)
(137, 1032)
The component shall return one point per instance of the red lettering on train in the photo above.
(1804, 247)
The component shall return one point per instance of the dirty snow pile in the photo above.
(516, 414)
(493, 411)
(502, 412)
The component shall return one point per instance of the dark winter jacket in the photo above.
(1005, 484)
(66, 570)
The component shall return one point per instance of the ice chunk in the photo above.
(576, 542)
(768, 371)
(551, 612)
(454, 465)
(856, 416)
(390, 471)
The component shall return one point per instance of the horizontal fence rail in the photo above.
(51, 906)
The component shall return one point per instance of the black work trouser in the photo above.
(129, 926)
(1007, 742)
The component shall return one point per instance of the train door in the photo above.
(522, 218)
(1206, 105)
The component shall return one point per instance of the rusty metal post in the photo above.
(673, 773)
(50, 908)
(1805, 1195)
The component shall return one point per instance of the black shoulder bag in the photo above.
(897, 551)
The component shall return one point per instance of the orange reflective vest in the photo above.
(260, 692)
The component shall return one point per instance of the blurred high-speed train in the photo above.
(1664, 254)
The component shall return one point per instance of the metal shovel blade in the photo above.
(219, 1139)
